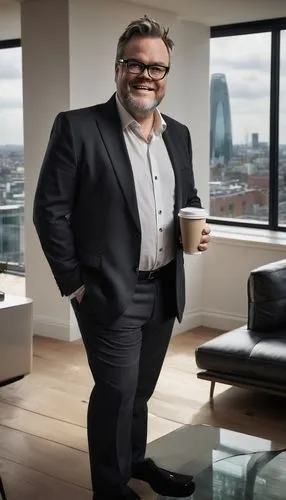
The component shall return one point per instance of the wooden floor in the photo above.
(43, 447)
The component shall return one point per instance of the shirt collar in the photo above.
(127, 120)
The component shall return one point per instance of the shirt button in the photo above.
(155, 177)
(160, 230)
(159, 212)
(160, 249)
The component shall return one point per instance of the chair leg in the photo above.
(2, 491)
(212, 390)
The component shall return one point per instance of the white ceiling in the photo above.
(216, 12)
(212, 12)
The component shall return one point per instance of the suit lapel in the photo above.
(171, 148)
(111, 131)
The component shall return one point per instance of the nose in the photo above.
(145, 73)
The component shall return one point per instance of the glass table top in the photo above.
(226, 465)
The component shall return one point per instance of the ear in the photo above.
(116, 70)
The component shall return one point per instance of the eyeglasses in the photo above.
(155, 71)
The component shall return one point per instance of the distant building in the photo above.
(220, 132)
(258, 181)
(255, 140)
(243, 204)
(11, 233)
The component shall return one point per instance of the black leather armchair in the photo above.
(255, 354)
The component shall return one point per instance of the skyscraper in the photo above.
(255, 140)
(220, 132)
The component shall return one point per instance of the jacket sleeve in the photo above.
(53, 204)
(193, 200)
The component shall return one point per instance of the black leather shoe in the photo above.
(162, 481)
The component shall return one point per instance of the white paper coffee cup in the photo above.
(192, 222)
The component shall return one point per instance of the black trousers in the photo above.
(125, 359)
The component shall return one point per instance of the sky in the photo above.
(245, 60)
(11, 114)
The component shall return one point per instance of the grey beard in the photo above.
(141, 109)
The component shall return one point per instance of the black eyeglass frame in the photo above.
(144, 66)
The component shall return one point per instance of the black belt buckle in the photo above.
(151, 275)
(148, 275)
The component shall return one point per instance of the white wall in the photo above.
(10, 21)
(94, 32)
(93, 40)
(68, 62)
(227, 267)
(45, 41)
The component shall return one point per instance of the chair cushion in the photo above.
(248, 353)
(267, 297)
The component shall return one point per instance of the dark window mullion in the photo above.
(248, 28)
(274, 131)
(10, 44)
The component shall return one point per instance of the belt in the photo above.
(152, 275)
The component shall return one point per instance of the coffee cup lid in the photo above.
(193, 213)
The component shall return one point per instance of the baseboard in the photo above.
(190, 320)
(44, 327)
(221, 320)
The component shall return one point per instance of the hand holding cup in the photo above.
(205, 238)
(194, 230)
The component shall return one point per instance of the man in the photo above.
(112, 182)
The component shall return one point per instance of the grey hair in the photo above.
(145, 26)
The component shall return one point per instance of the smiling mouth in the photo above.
(142, 87)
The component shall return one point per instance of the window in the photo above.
(282, 134)
(248, 124)
(11, 156)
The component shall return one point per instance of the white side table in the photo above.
(16, 335)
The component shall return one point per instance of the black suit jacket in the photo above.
(85, 208)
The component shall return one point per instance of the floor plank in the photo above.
(24, 483)
(44, 427)
(41, 455)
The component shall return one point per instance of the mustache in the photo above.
(143, 81)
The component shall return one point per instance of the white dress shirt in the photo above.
(155, 189)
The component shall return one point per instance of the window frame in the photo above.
(11, 44)
(274, 26)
